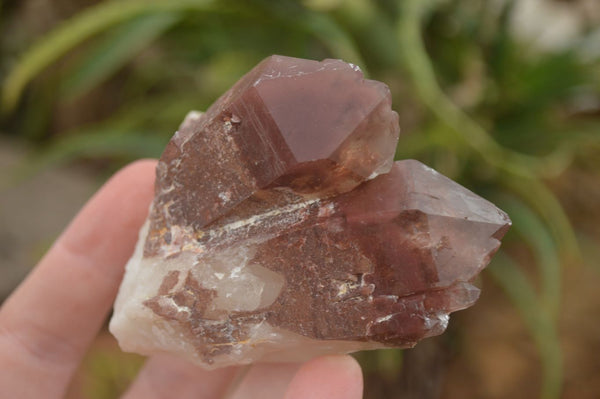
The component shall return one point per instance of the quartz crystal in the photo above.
(316, 127)
(281, 228)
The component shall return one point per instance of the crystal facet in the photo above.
(318, 127)
(281, 229)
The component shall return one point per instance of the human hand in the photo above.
(49, 322)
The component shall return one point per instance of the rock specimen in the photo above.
(281, 229)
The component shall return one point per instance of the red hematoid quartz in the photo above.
(281, 229)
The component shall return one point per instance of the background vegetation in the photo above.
(504, 110)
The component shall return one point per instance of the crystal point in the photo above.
(318, 127)
(282, 230)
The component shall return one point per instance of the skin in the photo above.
(51, 319)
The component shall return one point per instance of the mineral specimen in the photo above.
(282, 230)
(316, 127)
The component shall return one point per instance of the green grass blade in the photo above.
(115, 50)
(96, 144)
(465, 129)
(519, 290)
(549, 208)
(528, 225)
(76, 30)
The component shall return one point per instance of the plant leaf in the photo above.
(465, 129)
(549, 208)
(528, 225)
(519, 290)
(94, 144)
(74, 31)
(115, 50)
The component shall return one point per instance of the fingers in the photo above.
(164, 377)
(328, 377)
(47, 324)
(266, 381)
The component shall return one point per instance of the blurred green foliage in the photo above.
(476, 102)
(110, 372)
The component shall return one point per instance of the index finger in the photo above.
(47, 324)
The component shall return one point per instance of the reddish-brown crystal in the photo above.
(385, 262)
(282, 230)
(318, 127)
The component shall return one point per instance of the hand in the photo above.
(49, 322)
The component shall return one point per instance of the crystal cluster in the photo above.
(281, 228)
